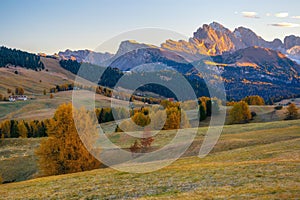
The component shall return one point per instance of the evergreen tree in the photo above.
(202, 113)
(23, 132)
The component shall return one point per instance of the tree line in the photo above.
(16, 129)
(169, 116)
(250, 100)
(109, 76)
(19, 58)
(18, 91)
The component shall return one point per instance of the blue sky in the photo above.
(53, 25)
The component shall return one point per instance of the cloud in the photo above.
(268, 14)
(282, 14)
(250, 14)
(285, 25)
(295, 17)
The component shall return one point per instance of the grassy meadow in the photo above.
(252, 161)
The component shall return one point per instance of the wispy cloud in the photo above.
(295, 17)
(268, 14)
(250, 14)
(286, 25)
(282, 14)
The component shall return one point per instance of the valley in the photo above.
(233, 81)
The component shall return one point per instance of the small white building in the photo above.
(17, 98)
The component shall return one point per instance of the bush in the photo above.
(278, 107)
(292, 112)
(253, 114)
(240, 113)
(19, 91)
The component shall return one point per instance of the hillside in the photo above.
(34, 82)
(249, 161)
(38, 106)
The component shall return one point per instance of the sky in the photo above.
(51, 26)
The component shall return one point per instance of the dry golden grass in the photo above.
(253, 161)
(32, 81)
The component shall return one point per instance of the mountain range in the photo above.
(246, 63)
(208, 40)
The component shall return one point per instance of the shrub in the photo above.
(253, 114)
(19, 91)
(292, 112)
(240, 113)
(279, 107)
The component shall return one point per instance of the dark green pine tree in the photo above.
(202, 113)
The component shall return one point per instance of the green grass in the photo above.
(7, 107)
(17, 159)
(260, 161)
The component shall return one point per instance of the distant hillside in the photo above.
(85, 56)
(109, 76)
(250, 71)
(34, 82)
(20, 59)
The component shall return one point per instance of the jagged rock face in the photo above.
(294, 53)
(192, 50)
(262, 59)
(144, 56)
(250, 39)
(291, 41)
(213, 39)
(217, 39)
(130, 45)
(85, 56)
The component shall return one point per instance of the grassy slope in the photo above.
(17, 159)
(34, 82)
(41, 107)
(250, 161)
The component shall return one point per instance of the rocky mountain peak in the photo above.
(291, 41)
(130, 45)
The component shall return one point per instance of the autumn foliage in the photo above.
(64, 152)
(292, 112)
(240, 113)
(254, 100)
